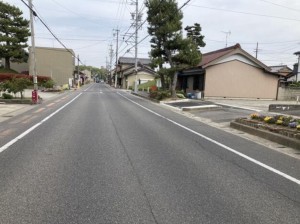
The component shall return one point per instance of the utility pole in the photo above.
(117, 49)
(256, 50)
(298, 70)
(107, 66)
(111, 52)
(136, 42)
(78, 74)
(32, 55)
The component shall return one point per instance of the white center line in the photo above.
(293, 179)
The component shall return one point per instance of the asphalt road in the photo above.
(110, 157)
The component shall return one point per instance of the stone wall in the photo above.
(288, 93)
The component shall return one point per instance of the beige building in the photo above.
(231, 73)
(127, 75)
(57, 63)
(87, 75)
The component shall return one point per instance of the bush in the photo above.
(48, 84)
(294, 84)
(7, 96)
(15, 85)
(159, 95)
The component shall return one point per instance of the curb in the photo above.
(274, 137)
(200, 108)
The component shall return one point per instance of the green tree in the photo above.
(14, 33)
(16, 85)
(167, 42)
(96, 72)
(194, 32)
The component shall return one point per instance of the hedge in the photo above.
(10, 76)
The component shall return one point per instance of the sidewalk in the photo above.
(8, 111)
(255, 105)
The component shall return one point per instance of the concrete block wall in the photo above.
(286, 93)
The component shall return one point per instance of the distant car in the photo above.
(101, 80)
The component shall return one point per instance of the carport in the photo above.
(192, 80)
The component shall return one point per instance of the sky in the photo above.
(89, 27)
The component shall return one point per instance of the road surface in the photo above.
(101, 155)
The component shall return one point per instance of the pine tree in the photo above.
(167, 42)
(14, 33)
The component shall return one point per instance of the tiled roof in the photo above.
(211, 56)
(126, 60)
(277, 68)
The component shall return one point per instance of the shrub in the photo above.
(180, 95)
(47, 83)
(153, 94)
(159, 95)
(7, 96)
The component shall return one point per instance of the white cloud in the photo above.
(87, 26)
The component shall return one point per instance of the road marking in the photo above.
(25, 117)
(293, 179)
(50, 104)
(39, 110)
(10, 143)
(88, 87)
(7, 132)
(101, 92)
(29, 119)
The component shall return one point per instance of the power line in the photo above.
(185, 4)
(246, 13)
(73, 39)
(36, 15)
(297, 10)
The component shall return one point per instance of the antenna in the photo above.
(227, 35)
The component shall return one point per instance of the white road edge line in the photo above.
(220, 144)
(4, 147)
(88, 87)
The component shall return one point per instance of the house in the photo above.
(127, 74)
(292, 75)
(57, 63)
(87, 75)
(283, 70)
(230, 73)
